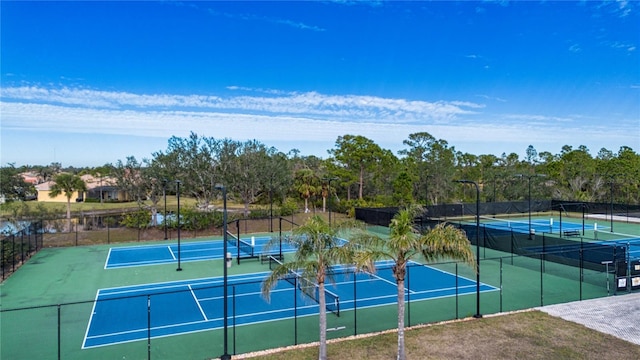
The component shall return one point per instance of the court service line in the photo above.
(372, 275)
(382, 279)
(93, 311)
(447, 272)
(106, 262)
(171, 252)
(198, 303)
(143, 330)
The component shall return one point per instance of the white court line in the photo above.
(93, 311)
(106, 262)
(171, 252)
(198, 303)
(384, 280)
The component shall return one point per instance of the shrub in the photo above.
(289, 207)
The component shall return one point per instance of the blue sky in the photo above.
(89, 83)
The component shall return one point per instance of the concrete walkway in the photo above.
(615, 315)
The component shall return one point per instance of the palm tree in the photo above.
(68, 184)
(305, 185)
(405, 243)
(317, 251)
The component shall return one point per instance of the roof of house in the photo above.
(89, 180)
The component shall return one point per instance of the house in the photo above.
(98, 188)
(103, 189)
(31, 178)
(44, 189)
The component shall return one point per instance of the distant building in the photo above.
(98, 188)
(31, 178)
(44, 189)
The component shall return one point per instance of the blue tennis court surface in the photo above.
(133, 313)
(539, 225)
(168, 253)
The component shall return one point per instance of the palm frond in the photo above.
(447, 241)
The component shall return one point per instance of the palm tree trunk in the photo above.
(401, 353)
(323, 322)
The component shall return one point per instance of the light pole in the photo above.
(528, 177)
(477, 314)
(271, 203)
(494, 189)
(426, 189)
(226, 355)
(164, 195)
(611, 195)
(178, 197)
(329, 194)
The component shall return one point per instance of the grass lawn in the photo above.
(523, 335)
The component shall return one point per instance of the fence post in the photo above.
(59, 334)
(355, 307)
(41, 236)
(295, 311)
(409, 295)
(233, 303)
(500, 284)
(512, 247)
(22, 246)
(13, 253)
(2, 262)
(541, 280)
(149, 327)
(238, 243)
(457, 316)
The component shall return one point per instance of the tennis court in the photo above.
(538, 225)
(120, 257)
(180, 307)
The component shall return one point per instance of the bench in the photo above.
(571, 233)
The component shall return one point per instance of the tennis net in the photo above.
(309, 287)
(520, 226)
(242, 245)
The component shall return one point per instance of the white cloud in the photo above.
(298, 118)
(255, 17)
(271, 102)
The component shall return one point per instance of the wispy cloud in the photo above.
(618, 8)
(273, 116)
(269, 103)
(268, 19)
(494, 98)
(620, 45)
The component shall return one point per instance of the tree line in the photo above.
(356, 172)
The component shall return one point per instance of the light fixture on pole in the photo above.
(477, 314)
(225, 355)
(179, 225)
